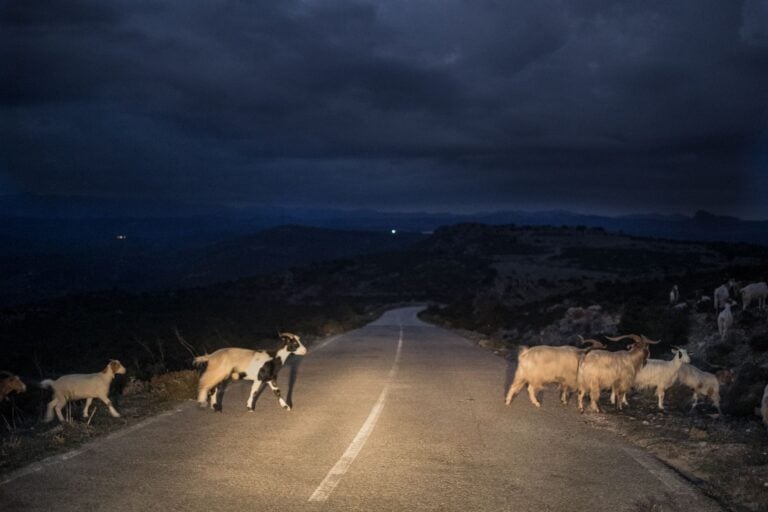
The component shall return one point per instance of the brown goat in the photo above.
(10, 383)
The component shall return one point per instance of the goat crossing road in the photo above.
(415, 412)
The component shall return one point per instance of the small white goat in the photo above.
(704, 383)
(674, 295)
(79, 386)
(724, 320)
(754, 291)
(544, 364)
(616, 371)
(661, 374)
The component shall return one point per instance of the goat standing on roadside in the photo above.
(754, 291)
(544, 364)
(674, 295)
(261, 366)
(616, 371)
(79, 386)
(704, 383)
(10, 383)
(724, 320)
(661, 374)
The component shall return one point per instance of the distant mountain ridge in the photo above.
(174, 223)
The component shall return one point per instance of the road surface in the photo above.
(398, 415)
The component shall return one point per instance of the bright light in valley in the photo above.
(394, 231)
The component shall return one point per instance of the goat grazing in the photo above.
(703, 383)
(674, 295)
(261, 366)
(661, 374)
(616, 371)
(542, 365)
(754, 291)
(10, 383)
(724, 320)
(79, 386)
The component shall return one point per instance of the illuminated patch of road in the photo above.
(334, 476)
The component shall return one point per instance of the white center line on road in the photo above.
(334, 476)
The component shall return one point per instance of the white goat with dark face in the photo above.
(261, 366)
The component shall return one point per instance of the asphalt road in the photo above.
(398, 415)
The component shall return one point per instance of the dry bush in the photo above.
(175, 385)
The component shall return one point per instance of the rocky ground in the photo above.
(727, 458)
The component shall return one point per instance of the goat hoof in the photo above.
(287, 407)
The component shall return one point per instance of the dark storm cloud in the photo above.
(604, 105)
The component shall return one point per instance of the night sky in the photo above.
(593, 105)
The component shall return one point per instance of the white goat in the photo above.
(674, 295)
(616, 371)
(724, 320)
(754, 291)
(79, 386)
(661, 374)
(542, 365)
(721, 295)
(703, 383)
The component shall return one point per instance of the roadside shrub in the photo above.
(759, 342)
(671, 326)
(175, 385)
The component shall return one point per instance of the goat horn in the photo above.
(634, 337)
(650, 342)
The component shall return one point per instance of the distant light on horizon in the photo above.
(394, 231)
(121, 237)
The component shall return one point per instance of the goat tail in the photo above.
(200, 360)
(46, 384)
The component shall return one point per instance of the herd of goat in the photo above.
(588, 370)
(593, 369)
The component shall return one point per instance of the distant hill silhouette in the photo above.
(57, 245)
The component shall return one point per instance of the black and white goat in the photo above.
(260, 366)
